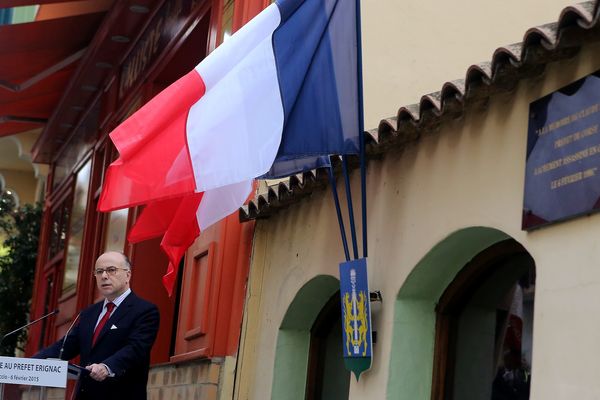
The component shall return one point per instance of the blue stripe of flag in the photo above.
(316, 56)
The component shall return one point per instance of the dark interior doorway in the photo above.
(484, 328)
(327, 377)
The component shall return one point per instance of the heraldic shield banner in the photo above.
(356, 316)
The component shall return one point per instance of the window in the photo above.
(58, 230)
(47, 326)
(227, 20)
(77, 224)
(116, 230)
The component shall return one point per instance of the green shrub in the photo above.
(20, 228)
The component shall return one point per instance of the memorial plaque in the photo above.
(562, 177)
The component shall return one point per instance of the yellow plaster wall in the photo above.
(411, 48)
(17, 169)
(471, 173)
(22, 182)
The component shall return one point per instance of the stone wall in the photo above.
(195, 380)
(33, 393)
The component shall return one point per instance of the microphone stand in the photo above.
(62, 347)
(18, 330)
(29, 324)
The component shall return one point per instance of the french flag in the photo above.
(275, 99)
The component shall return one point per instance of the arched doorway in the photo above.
(411, 369)
(327, 377)
(308, 358)
(484, 328)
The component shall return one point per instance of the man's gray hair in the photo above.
(126, 259)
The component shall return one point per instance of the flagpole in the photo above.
(361, 130)
(350, 206)
(336, 200)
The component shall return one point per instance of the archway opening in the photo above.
(307, 365)
(327, 377)
(484, 328)
(411, 370)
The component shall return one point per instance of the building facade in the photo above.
(18, 174)
(468, 294)
(445, 187)
(135, 50)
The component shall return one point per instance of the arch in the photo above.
(25, 156)
(413, 337)
(18, 144)
(468, 355)
(293, 339)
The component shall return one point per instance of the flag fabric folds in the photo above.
(317, 62)
(275, 99)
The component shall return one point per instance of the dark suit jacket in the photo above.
(126, 349)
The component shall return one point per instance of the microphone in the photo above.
(29, 324)
(62, 348)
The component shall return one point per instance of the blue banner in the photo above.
(356, 309)
(562, 178)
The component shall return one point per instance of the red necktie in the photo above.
(109, 308)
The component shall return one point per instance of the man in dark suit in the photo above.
(113, 337)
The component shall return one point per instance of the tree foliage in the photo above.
(20, 228)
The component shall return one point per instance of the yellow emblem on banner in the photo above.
(355, 324)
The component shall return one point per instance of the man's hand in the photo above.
(98, 372)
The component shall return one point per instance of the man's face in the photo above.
(112, 285)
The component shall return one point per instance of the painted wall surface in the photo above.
(411, 47)
(469, 174)
(23, 183)
(17, 171)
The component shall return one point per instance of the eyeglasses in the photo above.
(110, 271)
